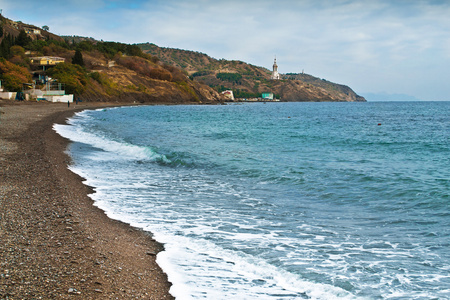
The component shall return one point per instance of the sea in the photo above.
(279, 200)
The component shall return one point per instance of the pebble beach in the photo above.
(54, 243)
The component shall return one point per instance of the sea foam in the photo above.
(251, 206)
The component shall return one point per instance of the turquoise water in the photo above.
(280, 200)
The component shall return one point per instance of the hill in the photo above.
(248, 81)
(110, 71)
(103, 71)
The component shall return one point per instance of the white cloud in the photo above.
(371, 45)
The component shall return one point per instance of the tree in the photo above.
(73, 76)
(37, 45)
(133, 50)
(231, 77)
(78, 58)
(22, 39)
(17, 56)
(46, 28)
(17, 50)
(85, 46)
(5, 46)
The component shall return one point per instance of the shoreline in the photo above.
(55, 242)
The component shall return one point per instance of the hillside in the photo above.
(109, 71)
(249, 81)
(102, 71)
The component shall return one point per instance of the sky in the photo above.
(373, 46)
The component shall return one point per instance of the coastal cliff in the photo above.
(249, 81)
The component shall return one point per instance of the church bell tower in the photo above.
(275, 74)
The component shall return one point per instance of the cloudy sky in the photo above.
(373, 46)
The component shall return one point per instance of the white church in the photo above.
(275, 74)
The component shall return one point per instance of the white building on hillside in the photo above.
(228, 94)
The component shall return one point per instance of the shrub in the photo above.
(143, 67)
(177, 74)
(200, 73)
(186, 88)
(231, 77)
(20, 61)
(13, 76)
(73, 76)
(136, 64)
(160, 74)
(17, 50)
(133, 50)
(85, 46)
(108, 85)
(244, 94)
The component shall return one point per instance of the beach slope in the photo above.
(54, 243)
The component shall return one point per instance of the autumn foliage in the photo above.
(90, 69)
(13, 76)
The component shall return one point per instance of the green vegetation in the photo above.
(15, 66)
(97, 68)
(73, 76)
(243, 79)
(5, 46)
(23, 39)
(244, 94)
(92, 70)
(78, 58)
(108, 86)
(200, 73)
(109, 49)
(179, 58)
(231, 77)
(239, 93)
(186, 88)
